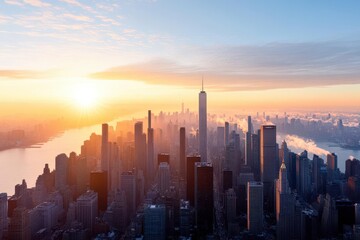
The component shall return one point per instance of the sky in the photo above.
(154, 53)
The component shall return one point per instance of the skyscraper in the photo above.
(268, 162)
(150, 150)
(202, 125)
(248, 151)
(255, 207)
(331, 163)
(227, 133)
(285, 203)
(140, 148)
(204, 198)
(164, 177)
(61, 169)
(154, 222)
(128, 185)
(303, 183)
(99, 184)
(182, 152)
(190, 178)
(105, 147)
(3, 213)
(87, 209)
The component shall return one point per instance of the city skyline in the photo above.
(255, 55)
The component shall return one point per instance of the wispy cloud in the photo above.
(24, 74)
(14, 2)
(235, 68)
(81, 18)
(37, 3)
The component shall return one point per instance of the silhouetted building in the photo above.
(105, 147)
(190, 178)
(182, 152)
(187, 215)
(268, 158)
(87, 209)
(140, 148)
(61, 169)
(150, 151)
(303, 184)
(285, 206)
(154, 222)
(163, 157)
(331, 163)
(128, 185)
(255, 207)
(99, 184)
(19, 227)
(227, 179)
(164, 177)
(204, 198)
(3, 213)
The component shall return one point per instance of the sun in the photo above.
(85, 96)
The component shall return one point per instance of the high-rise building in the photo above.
(163, 157)
(303, 181)
(190, 178)
(105, 147)
(164, 177)
(3, 213)
(19, 227)
(331, 163)
(116, 214)
(99, 184)
(268, 160)
(220, 137)
(182, 152)
(227, 133)
(285, 210)
(140, 148)
(230, 205)
(204, 198)
(186, 223)
(255, 207)
(255, 156)
(329, 218)
(150, 150)
(248, 151)
(227, 179)
(128, 185)
(202, 125)
(61, 169)
(155, 222)
(87, 209)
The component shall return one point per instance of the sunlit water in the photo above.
(27, 163)
(343, 154)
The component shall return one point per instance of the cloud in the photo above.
(81, 18)
(308, 145)
(272, 66)
(25, 74)
(78, 4)
(14, 2)
(37, 3)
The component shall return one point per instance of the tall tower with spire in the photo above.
(202, 124)
(285, 202)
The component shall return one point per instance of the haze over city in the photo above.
(155, 119)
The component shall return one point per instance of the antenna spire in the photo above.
(202, 83)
